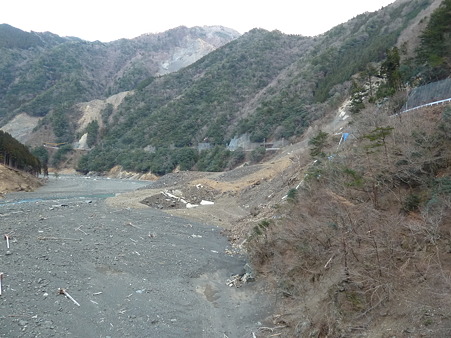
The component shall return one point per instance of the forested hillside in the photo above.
(349, 225)
(265, 84)
(200, 103)
(42, 72)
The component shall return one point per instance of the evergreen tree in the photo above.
(93, 131)
(434, 52)
(318, 143)
(390, 69)
(15, 154)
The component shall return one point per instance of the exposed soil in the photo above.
(234, 200)
(15, 180)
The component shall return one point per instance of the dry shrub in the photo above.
(346, 236)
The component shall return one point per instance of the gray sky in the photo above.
(108, 20)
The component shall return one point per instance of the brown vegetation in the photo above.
(364, 244)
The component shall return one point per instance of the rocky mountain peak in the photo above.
(185, 45)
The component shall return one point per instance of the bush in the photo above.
(292, 195)
(236, 158)
(411, 203)
(258, 154)
(214, 159)
(186, 158)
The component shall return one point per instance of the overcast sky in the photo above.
(108, 20)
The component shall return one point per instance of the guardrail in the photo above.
(445, 101)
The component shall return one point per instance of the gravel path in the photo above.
(133, 272)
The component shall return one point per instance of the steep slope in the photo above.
(42, 71)
(268, 85)
(15, 180)
(345, 257)
(354, 236)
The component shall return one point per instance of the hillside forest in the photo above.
(267, 86)
(16, 155)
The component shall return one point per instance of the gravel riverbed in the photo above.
(130, 272)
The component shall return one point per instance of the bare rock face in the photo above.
(21, 127)
(193, 46)
(91, 111)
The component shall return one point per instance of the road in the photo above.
(130, 272)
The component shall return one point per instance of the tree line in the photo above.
(16, 155)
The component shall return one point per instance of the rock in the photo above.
(203, 202)
(48, 324)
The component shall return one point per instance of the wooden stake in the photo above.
(7, 240)
(1, 278)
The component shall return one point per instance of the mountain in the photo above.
(266, 87)
(344, 206)
(40, 72)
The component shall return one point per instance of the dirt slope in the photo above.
(242, 197)
(14, 180)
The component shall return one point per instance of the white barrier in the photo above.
(424, 105)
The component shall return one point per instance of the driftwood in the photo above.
(79, 229)
(64, 292)
(7, 240)
(58, 239)
(132, 225)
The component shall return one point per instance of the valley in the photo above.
(203, 183)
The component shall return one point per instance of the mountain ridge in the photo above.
(48, 71)
(268, 85)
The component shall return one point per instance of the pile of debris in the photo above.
(190, 197)
(239, 280)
